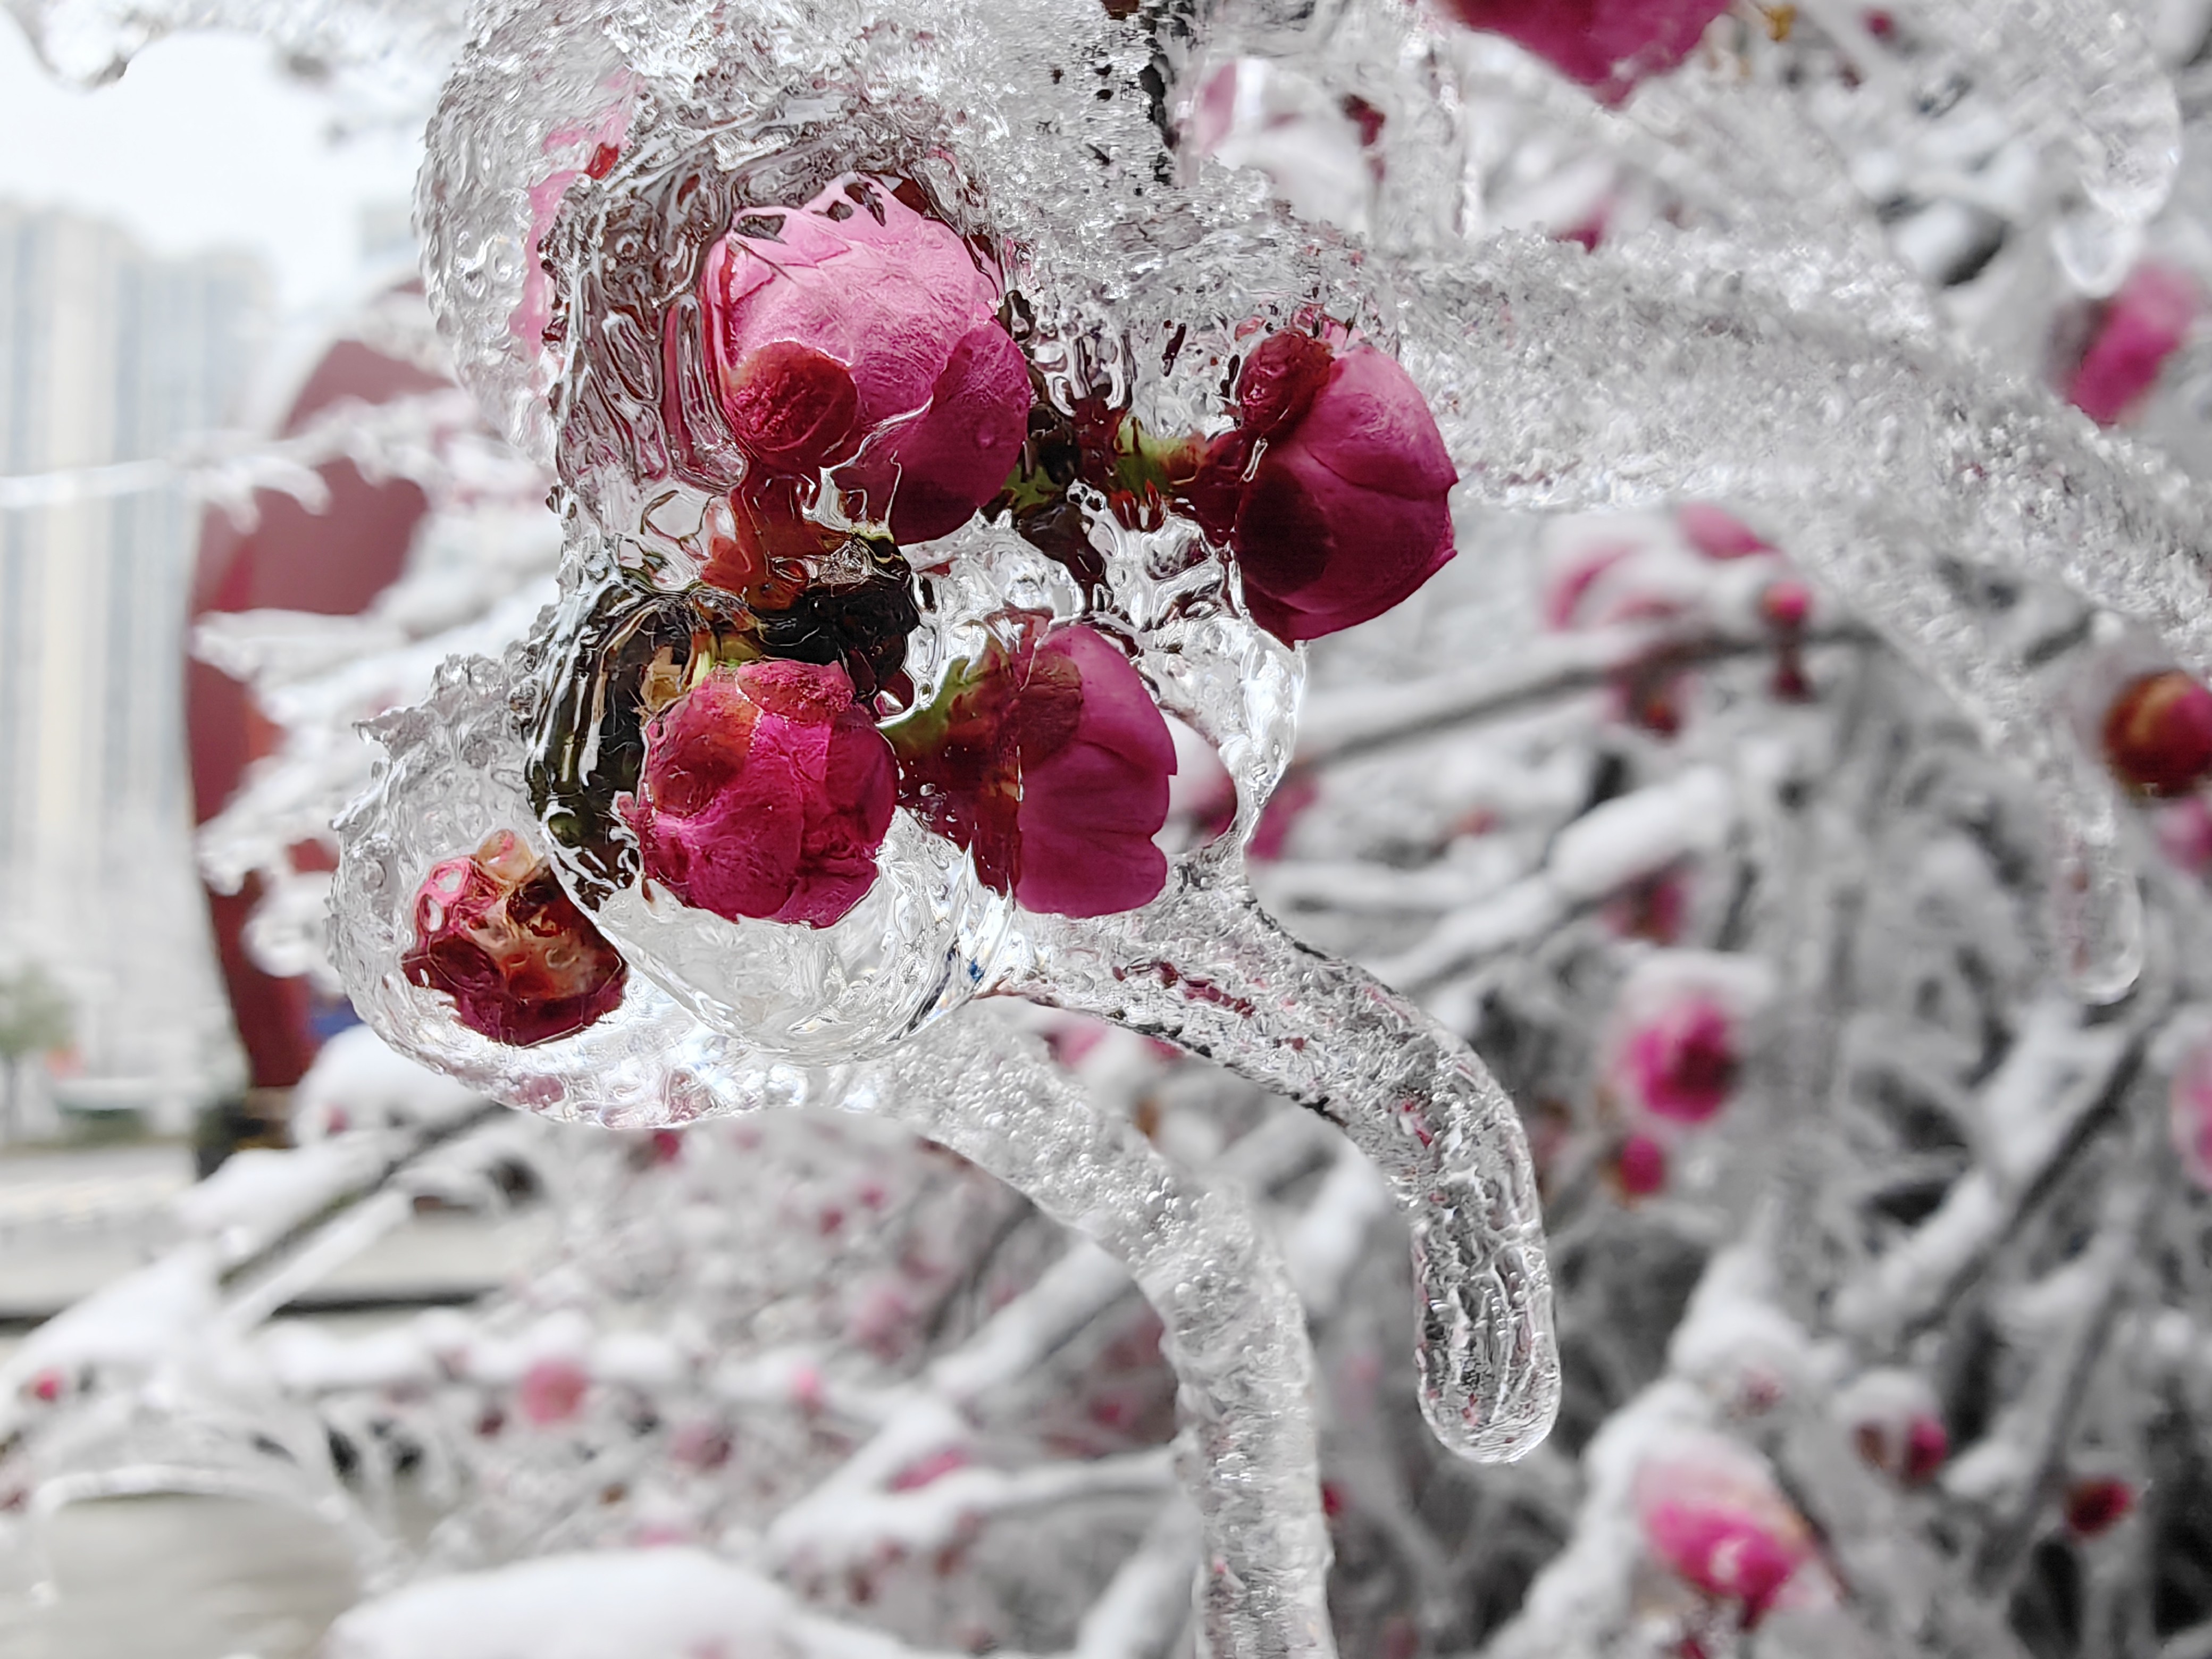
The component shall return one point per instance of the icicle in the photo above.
(1206, 967)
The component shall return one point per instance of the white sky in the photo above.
(202, 145)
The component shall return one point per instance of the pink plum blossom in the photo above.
(1607, 45)
(1641, 1166)
(552, 1390)
(494, 932)
(1711, 1514)
(701, 1443)
(859, 333)
(1050, 764)
(1333, 490)
(766, 793)
(2144, 325)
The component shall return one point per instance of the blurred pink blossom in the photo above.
(1684, 1062)
(1713, 1515)
(551, 1391)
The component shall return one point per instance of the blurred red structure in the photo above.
(335, 562)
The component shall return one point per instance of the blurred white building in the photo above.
(107, 355)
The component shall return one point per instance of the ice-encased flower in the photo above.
(552, 1391)
(858, 331)
(494, 930)
(2158, 733)
(766, 793)
(1712, 1514)
(1607, 45)
(1050, 764)
(1333, 490)
(2145, 324)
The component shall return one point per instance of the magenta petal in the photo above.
(1118, 710)
(1718, 534)
(1090, 809)
(937, 470)
(1087, 788)
(1382, 549)
(1373, 428)
(1073, 873)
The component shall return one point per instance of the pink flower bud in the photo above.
(1051, 767)
(1785, 606)
(1680, 1027)
(2144, 325)
(1927, 1445)
(1896, 1424)
(1094, 780)
(858, 331)
(494, 932)
(551, 1391)
(766, 793)
(2158, 734)
(1711, 1514)
(1606, 45)
(1332, 492)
